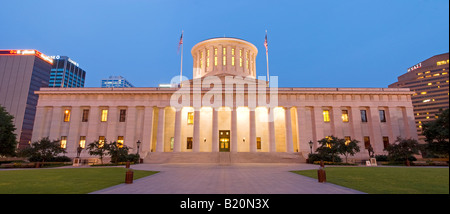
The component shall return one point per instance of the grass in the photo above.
(387, 180)
(63, 181)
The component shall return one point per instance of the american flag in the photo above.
(181, 41)
(265, 42)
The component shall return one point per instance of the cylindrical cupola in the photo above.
(224, 56)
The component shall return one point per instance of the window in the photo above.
(104, 115)
(344, 116)
(82, 142)
(232, 57)
(85, 116)
(363, 116)
(101, 141)
(258, 142)
(66, 115)
(347, 140)
(366, 142)
(190, 119)
(122, 116)
(240, 57)
(385, 141)
(63, 142)
(215, 56)
(224, 52)
(171, 143)
(382, 116)
(120, 141)
(326, 116)
(189, 143)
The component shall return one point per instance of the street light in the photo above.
(138, 143)
(310, 145)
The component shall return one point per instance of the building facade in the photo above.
(66, 73)
(224, 108)
(22, 72)
(116, 82)
(429, 80)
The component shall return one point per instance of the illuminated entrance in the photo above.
(224, 140)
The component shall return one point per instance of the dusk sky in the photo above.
(323, 43)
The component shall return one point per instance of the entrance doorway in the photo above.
(224, 140)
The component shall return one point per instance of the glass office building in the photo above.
(116, 82)
(66, 73)
(22, 72)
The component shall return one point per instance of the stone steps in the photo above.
(224, 158)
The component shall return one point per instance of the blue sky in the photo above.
(320, 43)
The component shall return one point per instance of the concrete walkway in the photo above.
(244, 178)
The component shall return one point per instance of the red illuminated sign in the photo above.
(27, 52)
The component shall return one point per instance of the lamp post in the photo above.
(138, 143)
(310, 146)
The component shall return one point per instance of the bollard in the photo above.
(321, 175)
(127, 164)
(129, 177)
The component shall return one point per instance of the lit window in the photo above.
(444, 73)
(434, 75)
(82, 142)
(63, 142)
(232, 58)
(430, 83)
(347, 140)
(104, 115)
(344, 116)
(207, 62)
(326, 116)
(240, 58)
(423, 92)
(120, 141)
(101, 141)
(366, 142)
(190, 119)
(215, 60)
(67, 115)
(224, 60)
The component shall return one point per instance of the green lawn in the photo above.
(388, 180)
(63, 181)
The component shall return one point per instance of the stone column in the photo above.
(252, 130)
(130, 129)
(289, 140)
(55, 125)
(234, 130)
(196, 139)
(148, 129)
(271, 124)
(376, 139)
(160, 135)
(177, 131)
(93, 121)
(73, 139)
(215, 130)
(113, 119)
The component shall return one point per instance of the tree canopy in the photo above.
(7, 137)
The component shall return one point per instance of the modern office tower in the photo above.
(22, 72)
(116, 82)
(429, 81)
(66, 73)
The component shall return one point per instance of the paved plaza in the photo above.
(243, 178)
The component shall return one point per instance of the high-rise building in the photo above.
(116, 82)
(66, 73)
(429, 81)
(22, 72)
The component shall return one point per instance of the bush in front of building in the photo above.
(44, 150)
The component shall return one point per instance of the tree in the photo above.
(402, 149)
(329, 146)
(7, 137)
(43, 150)
(437, 134)
(117, 151)
(97, 148)
(348, 148)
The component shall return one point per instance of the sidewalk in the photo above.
(246, 178)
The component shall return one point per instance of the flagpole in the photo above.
(181, 64)
(267, 59)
